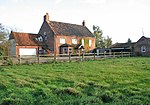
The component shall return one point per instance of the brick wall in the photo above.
(18, 47)
(46, 31)
(68, 40)
(142, 42)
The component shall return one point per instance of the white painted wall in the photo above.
(27, 51)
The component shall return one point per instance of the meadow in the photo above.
(117, 81)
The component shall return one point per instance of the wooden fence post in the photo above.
(113, 54)
(69, 57)
(38, 58)
(82, 56)
(94, 55)
(121, 54)
(19, 59)
(104, 55)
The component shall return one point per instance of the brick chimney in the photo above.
(83, 23)
(46, 17)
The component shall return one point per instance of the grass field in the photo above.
(119, 81)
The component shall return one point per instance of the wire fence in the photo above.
(39, 59)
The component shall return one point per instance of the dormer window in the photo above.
(40, 39)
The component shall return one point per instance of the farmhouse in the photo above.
(65, 37)
(53, 37)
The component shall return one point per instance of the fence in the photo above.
(5, 60)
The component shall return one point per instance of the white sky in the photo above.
(119, 19)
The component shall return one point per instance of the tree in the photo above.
(101, 41)
(4, 43)
(108, 42)
(98, 35)
(3, 33)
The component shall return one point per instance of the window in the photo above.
(62, 41)
(74, 41)
(90, 43)
(40, 39)
(40, 50)
(83, 42)
(45, 36)
(143, 49)
(44, 33)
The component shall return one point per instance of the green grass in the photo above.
(119, 81)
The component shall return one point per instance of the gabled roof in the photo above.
(25, 39)
(60, 28)
(122, 45)
(143, 38)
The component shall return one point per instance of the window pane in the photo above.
(74, 41)
(143, 49)
(90, 43)
(62, 41)
(83, 42)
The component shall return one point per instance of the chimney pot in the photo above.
(83, 23)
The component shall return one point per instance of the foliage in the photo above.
(4, 37)
(108, 42)
(98, 35)
(120, 81)
(4, 48)
(86, 44)
(101, 41)
(3, 33)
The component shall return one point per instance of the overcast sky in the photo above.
(119, 19)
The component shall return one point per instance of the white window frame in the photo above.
(143, 48)
(40, 39)
(90, 42)
(44, 33)
(62, 41)
(82, 42)
(74, 41)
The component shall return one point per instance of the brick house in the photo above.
(53, 37)
(25, 44)
(139, 48)
(142, 47)
(65, 37)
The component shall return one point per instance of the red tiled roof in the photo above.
(61, 28)
(26, 39)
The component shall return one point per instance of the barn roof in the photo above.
(122, 45)
(68, 29)
(26, 39)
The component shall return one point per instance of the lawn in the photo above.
(117, 81)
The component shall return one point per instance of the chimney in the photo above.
(83, 23)
(46, 17)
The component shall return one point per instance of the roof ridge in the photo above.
(68, 23)
(23, 33)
